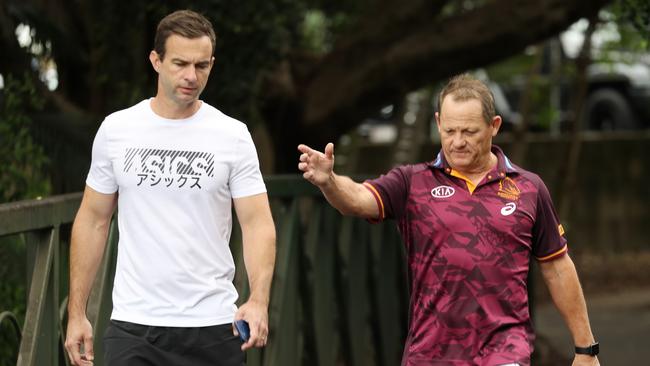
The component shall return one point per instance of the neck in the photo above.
(477, 174)
(171, 110)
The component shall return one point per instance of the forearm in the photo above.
(86, 250)
(562, 281)
(349, 198)
(259, 258)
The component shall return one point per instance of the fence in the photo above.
(339, 291)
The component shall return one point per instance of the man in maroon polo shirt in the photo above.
(470, 220)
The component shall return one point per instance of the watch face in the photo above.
(595, 348)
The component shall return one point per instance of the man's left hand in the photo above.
(585, 360)
(256, 314)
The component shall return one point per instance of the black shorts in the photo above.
(129, 344)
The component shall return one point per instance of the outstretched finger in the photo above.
(305, 149)
(329, 150)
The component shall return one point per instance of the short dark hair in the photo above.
(185, 23)
(464, 87)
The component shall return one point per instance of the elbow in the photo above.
(354, 211)
(345, 211)
(360, 213)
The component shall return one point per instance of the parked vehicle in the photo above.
(618, 94)
(618, 85)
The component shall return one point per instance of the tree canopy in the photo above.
(307, 70)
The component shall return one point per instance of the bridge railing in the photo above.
(339, 292)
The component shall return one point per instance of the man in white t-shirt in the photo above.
(174, 165)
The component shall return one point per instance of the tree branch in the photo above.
(361, 73)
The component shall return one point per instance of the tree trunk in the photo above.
(569, 169)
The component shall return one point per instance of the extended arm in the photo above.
(89, 233)
(347, 196)
(258, 234)
(562, 281)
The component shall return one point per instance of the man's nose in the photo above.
(458, 140)
(189, 73)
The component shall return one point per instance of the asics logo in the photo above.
(508, 209)
(443, 191)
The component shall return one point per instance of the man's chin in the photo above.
(460, 158)
(186, 98)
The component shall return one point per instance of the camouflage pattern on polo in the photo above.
(469, 249)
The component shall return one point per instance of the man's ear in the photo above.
(437, 115)
(155, 60)
(496, 124)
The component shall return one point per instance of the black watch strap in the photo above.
(592, 350)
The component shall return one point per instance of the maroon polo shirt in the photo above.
(468, 251)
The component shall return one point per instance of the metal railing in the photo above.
(339, 291)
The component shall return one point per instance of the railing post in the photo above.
(320, 292)
(387, 324)
(285, 346)
(353, 242)
(40, 340)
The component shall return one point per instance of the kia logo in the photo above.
(443, 192)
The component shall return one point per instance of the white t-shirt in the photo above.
(175, 180)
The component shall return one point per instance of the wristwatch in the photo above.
(592, 350)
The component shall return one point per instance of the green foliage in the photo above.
(22, 159)
(22, 176)
(636, 14)
(314, 29)
(319, 30)
(630, 35)
(253, 37)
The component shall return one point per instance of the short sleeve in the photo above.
(101, 176)
(246, 178)
(390, 192)
(548, 235)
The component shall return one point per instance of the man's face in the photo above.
(465, 135)
(184, 70)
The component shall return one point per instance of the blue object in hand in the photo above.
(243, 329)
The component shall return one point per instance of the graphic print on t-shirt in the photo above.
(168, 168)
